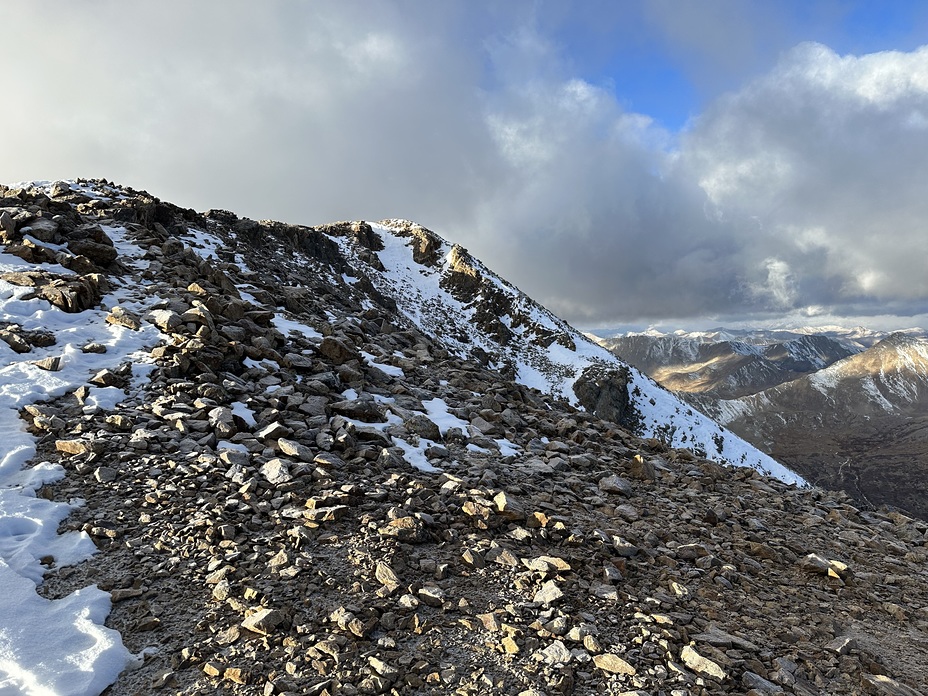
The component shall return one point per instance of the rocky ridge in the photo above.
(726, 369)
(311, 494)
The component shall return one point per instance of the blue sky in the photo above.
(671, 162)
(671, 72)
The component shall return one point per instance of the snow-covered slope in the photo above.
(473, 312)
(61, 646)
(53, 646)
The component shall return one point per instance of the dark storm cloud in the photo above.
(801, 192)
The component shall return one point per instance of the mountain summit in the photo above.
(348, 459)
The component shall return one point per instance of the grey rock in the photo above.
(265, 621)
(548, 594)
(276, 471)
(615, 484)
(554, 654)
(294, 449)
(702, 665)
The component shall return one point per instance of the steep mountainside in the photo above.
(315, 461)
(860, 425)
(726, 368)
(472, 313)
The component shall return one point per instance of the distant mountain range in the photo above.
(725, 367)
(847, 408)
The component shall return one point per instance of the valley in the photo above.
(844, 415)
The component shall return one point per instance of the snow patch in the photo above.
(52, 646)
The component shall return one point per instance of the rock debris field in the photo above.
(303, 493)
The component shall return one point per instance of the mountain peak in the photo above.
(311, 463)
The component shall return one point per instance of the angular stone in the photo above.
(68, 294)
(641, 468)
(51, 364)
(386, 576)
(507, 507)
(366, 410)
(100, 254)
(615, 484)
(881, 685)
(548, 594)
(264, 621)
(431, 596)
(73, 447)
(165, 319)
(760, 686)
(718, 638)
(121, 595)
(690, 552)
(272, 431)
(294, 449)
(295, 361)
(15, 341)
(382, 668)
(702, 665)
(815, 563)
(554, 654)
(337, 350)
(627, 512)
(7, 225)
(276, 471)
(236, 675)
(106, 378)
(105, 474)
(423, 427)
(841, 645)
(123, 317)
(409, 529)
(613, 664)
(604, 591)
(213, 669)
(331, 513)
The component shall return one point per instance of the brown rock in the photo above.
(264, 621)
(123, 317)
(613, 664)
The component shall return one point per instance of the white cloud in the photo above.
(803, 188)
(778, 288)
(817, 151)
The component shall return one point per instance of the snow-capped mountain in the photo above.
(291, 459)
(889, 378)
(859, 424)
(859, 337)
(444, 291)
(845, 407)
(717, 364)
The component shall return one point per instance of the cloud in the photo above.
(802, 188)
(825, 151)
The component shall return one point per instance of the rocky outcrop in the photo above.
(605, 393)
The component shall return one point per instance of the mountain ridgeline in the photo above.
(844, 415)
(727, 368)
(348, 459)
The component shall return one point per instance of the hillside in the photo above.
(860, 425)
(727, 368)
(348, 459)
